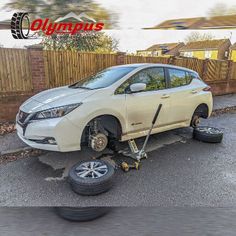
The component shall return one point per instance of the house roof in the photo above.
(182, 22)
(204, 45)
(216, 22)
(168, 46)
(233, 47)
(228, 21)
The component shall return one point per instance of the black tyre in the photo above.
(81, 213)
(17, 27)
(208, 134)
(91, 177)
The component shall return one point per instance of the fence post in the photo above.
(171, 60)
(204, 69)
(229, 70)
(120, 58)
(36, 62)
(229, 76)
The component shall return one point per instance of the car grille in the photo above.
(22, 116)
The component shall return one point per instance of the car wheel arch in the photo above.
(202, 109)
(106, 120)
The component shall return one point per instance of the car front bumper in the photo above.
(65, 133)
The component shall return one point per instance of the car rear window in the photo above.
(180, 77)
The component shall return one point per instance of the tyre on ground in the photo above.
(91, 177)
(208, 134)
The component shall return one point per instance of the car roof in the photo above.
(147, 65)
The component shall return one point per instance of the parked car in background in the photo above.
(116, 103)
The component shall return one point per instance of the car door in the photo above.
(181, 95)
(141, 106)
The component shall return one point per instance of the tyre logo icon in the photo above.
(22, 28)
(20, 25)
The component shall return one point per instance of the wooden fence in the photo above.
(139, 59)
(65, 67)
(15, 70)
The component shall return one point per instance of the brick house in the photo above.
(208, 49)
(164, 49)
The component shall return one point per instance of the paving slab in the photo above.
(224, 101)
(10, 142)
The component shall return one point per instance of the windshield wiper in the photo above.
(82, 87)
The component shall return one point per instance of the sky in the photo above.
(138, 14)
(129, 40)
(134, 15)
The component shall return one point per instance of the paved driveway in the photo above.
(179, 172)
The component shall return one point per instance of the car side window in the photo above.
(194, 75)
(188, 77)
(154, 78)
(179, 77)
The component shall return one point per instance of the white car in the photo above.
(116, 103)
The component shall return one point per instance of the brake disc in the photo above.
(98, 142)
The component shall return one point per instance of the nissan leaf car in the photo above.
(116, 103)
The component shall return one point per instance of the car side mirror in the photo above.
(137, 87)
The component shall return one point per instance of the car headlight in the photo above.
(55, 112)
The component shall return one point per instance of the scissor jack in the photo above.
(134, 152)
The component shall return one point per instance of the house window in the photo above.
(188, 54)
(208, 54)
(155, 53)
(226, 54)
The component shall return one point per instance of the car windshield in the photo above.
(104, 78)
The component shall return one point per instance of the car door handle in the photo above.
(194, 91)
(165, 96)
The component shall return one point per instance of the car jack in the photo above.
(134, 152)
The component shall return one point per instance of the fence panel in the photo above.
(216, 70)
(15, 72)
(140, 59)
(67, 67)
(191, 63)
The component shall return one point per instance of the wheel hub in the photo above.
(91, 169)
(99, 142)
(196, 121)
(209, 130)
